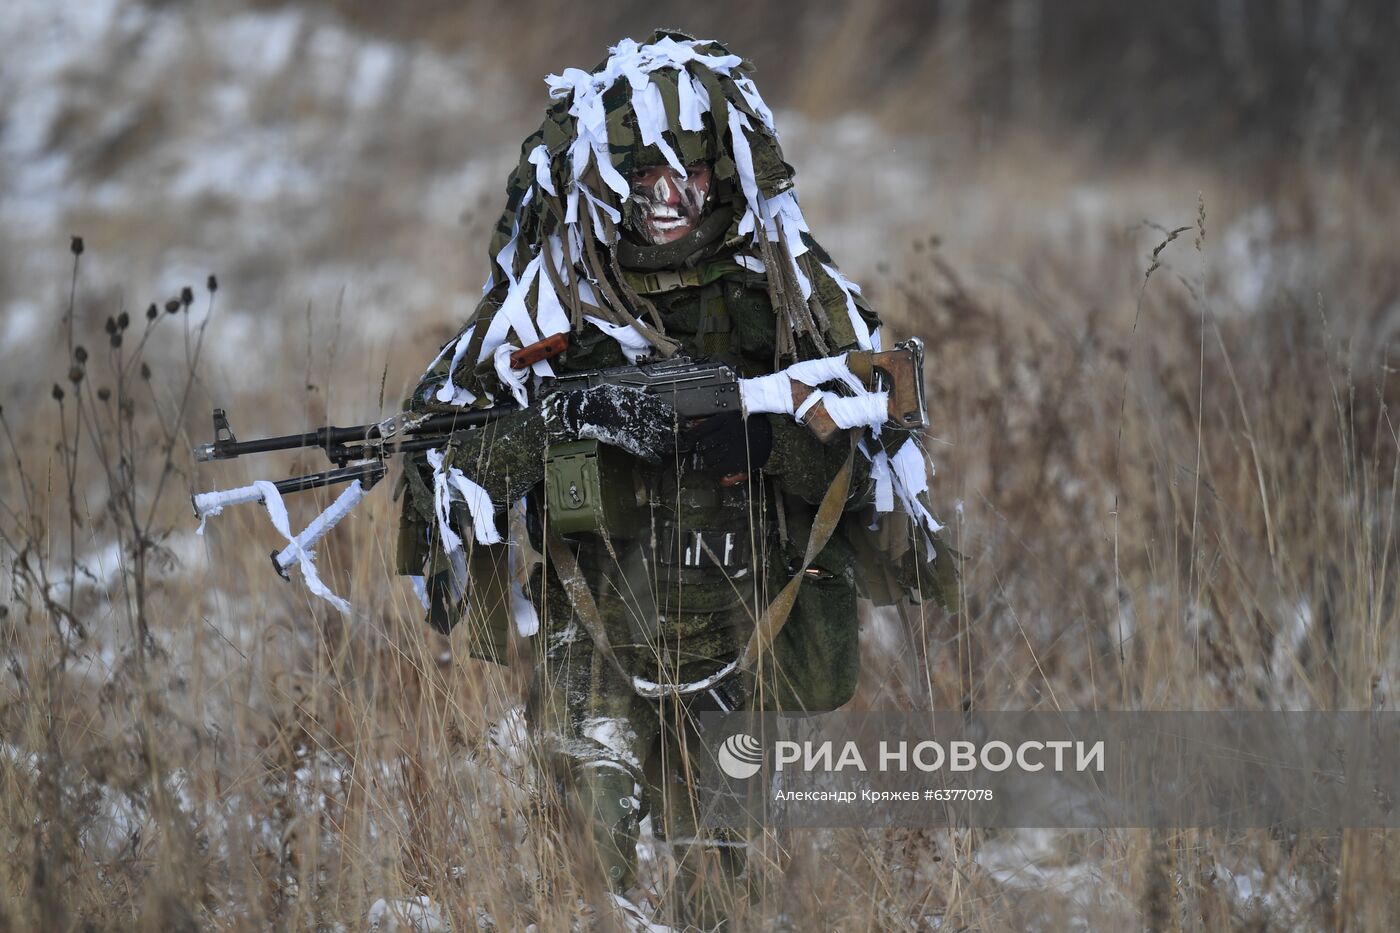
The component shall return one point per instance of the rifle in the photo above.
(694, 388)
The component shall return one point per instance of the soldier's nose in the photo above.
(668, 189)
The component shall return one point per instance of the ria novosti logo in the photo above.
(740, 756)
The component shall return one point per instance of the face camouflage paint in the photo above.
(669, 204)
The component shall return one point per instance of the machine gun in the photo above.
(694, 388)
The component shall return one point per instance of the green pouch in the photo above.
(488, 616)
(483, 618)
(815, 660)
(591, 487)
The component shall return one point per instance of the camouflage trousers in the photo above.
(618, 756)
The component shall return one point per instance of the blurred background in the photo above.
(1151, 247)
(353, 153)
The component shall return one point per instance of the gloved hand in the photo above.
(639, 423)
(729, 444)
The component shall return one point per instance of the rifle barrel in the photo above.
(330, 438)
(367, 473)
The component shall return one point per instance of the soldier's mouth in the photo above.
(664, 224)
(667, 221)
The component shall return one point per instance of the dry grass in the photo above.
(1171, 497)
(1163, 507)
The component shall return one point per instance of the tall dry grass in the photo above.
(1169, 498)
(1164, 505)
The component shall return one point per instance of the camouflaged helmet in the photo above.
(680, 122)
(671, 100)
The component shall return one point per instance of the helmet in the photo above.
(672, 100)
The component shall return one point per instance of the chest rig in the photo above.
(592, 488)
(716, 336)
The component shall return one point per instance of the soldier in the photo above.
(653, 215)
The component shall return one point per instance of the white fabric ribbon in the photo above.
(301, 545)
(512, 378)
(298, 546)
(850, 290)
(539, 158)
(825, 369)
(694, 102)
(884, 486)
(513, 315)
(743, 161)
(549, 311)
(594, 206)
(651, 115)
(209, 504)
(450, 483)
(527, 620)
(751, 96)
(808, 404)
(911, 479)
(863, 410)
(633, 344)
(903, 476)
(771, 393)
(868, 409)
(448, 393)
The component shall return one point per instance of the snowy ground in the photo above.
(342, 186)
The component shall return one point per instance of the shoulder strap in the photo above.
(823, 526)
(668, 280)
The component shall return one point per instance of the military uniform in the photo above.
(677, 589)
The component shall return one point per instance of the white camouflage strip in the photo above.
(905, 475)
(635, 63)
(298, 548)
(301, 545)
(450, 483)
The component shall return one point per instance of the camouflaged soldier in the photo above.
(652, 215)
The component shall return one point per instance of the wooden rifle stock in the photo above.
(900, 372)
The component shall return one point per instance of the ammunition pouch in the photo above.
(591, 487)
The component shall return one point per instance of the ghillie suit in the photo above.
(676, 586)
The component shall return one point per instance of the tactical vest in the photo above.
(716, 336)
(591, 487)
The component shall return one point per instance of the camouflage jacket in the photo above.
(714, 308)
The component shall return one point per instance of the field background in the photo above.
(1151, 248)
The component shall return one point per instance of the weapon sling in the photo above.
(769, 624)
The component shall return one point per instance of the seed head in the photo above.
(80, 353)
(75, 374)
(145, 372)
(123, 320)
(213, 283)
(186, 296)
(104, 393)
(76, 245)
(172, 306)
(151, 312)
(57, 392)
(111, 325)
(116, 339)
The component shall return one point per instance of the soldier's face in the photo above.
(669, 204)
